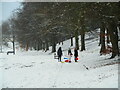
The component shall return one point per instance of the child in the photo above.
(70, 55)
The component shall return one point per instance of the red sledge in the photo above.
(66, 60)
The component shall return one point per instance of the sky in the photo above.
(7, 9)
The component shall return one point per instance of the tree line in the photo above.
(40, 25)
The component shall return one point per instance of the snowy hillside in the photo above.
(37, 69)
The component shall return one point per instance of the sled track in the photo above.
(106, 64)
(57, 75)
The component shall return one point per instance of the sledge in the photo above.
(62, 62)
(55, 56)
(10, 52)
(66, 60)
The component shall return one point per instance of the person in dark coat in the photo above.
(70, 55)
(75, 54)
(59, 53)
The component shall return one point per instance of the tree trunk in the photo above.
(108, 37)
(14, 44)
(100, 38)
(76, 39)
(82, 32)
(43, 46)
(53, 47)
(38, 45)
(71, 41)
(21, 45)
(62, 42)
(113, 38)
(83, 39)
(35, 45)
(47, 46)
(102, 35)
(26, 45)
(30, 45)
(53, 43)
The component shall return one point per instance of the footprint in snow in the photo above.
(26, 66)
(7, 68)
(54, 86)
(42, 62)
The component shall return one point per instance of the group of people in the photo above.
(59, 53)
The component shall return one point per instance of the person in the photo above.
(59, 53)
(70, 55)
(75, 54)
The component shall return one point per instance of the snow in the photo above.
(38, 69)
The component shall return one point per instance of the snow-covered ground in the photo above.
(37, 69)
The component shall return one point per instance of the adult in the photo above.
(59, 53)
(75, 54)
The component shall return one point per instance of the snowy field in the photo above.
(36, 69)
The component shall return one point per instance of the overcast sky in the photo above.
(7, 9)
